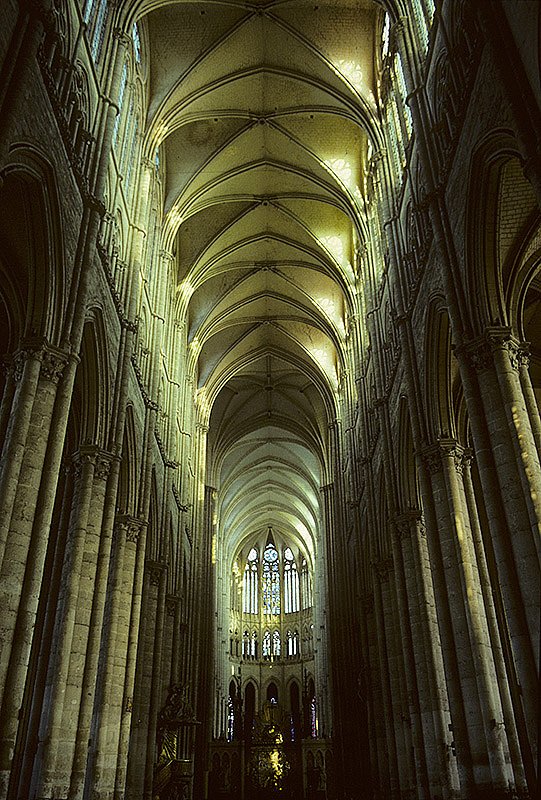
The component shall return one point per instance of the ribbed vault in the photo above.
(263, 114)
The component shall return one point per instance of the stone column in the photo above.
(206, 598)
(382, 570)
(394, 636)
(408, 618)
(158, 580)
(505, 681)
(91, 680)
(141, 692)
(40, 370)
(530, 400)
(370, 691)
(20, 63)
(135, 533)
(509, 473)
(469, 626)
(62, 694)
(491, 712)
(453, 628)
(109, 708)
(443, 769)
(509, 363)
(25, 373)
(169, 639)
(27, 744)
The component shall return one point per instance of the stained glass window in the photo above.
(291, 583)
(136, 42)
(230, 720)
(266, 644)
(276, 644)
(121, 93)
(313, 718)
(250, 593)
(95, 16)
(271, 581)
(99, 30)
(292, 643)
(87, 13)
(399, 72)
(306, 586)
(385, 36)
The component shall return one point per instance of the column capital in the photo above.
(406, 521)
(452, 450)
(432, 456)
(122, 37)
(128, 527)
(431, 459)
(147, 163)
(167, 256)
(480, 352)
(155, 570)
(92, 454)
(53, 360)
(172, 602)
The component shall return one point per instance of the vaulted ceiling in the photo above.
(263, 112)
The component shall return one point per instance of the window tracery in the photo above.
(95, 16)
(306, 587)
(271, 581)
(275, 583)
(291, 583)
(250, 584)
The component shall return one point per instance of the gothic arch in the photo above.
(153, 541)
(407, 472)
(31, 237)
(93, 381)
(499, 221)
(440, 371)
(128, 478)
(382, 546)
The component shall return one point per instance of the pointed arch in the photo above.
(32, 268)
(153, 540)
(93, 381)
(498, 222)
(407, 471)
(441, 368)
(127, 485)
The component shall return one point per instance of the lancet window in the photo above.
(271, 581)
(306, 588)
(291, 583)
(95, 16)
(250, 584)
